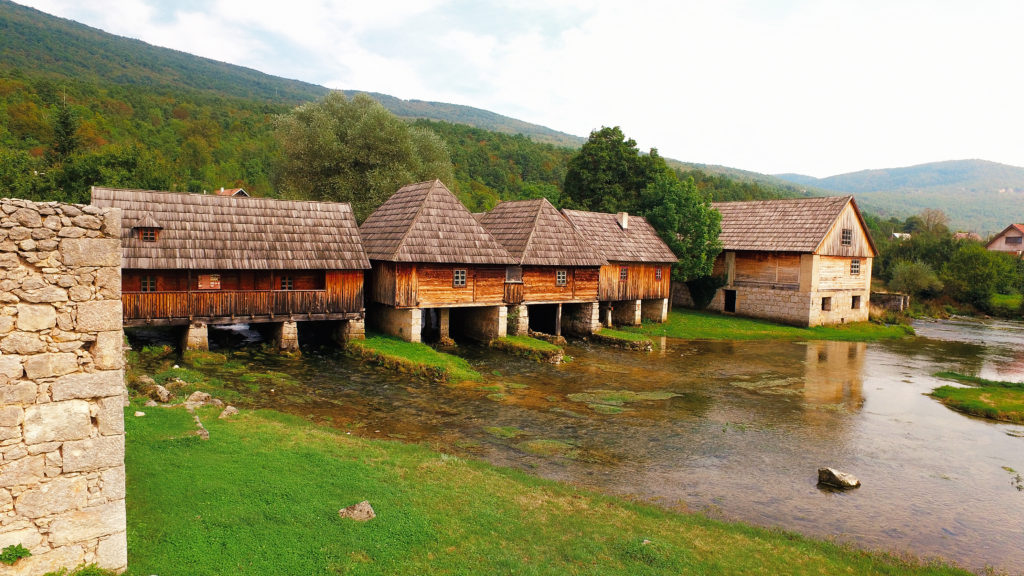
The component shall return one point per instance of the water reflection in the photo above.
(735, 429)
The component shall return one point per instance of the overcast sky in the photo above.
(816, 87)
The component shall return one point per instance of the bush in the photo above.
(702, 290)
(915, 278)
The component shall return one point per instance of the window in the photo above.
(147, 234)
(623, 274)
(458, 278)
(287, 283)
(657, 274)
(1014, 239)
(561, 277)
(209, 281)
(847, 238)
(149, 284)
(855, 267)
(514, 274)
(826, 303)
(856, 303)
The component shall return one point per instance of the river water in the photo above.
(736, 430)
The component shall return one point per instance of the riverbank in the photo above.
(261, 497)
(412, 357)
(994, 400)
(699, 325)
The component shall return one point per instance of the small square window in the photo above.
(209, 281)
(458, 278)
(856, 303)
(623, 274)
(514, 274)
(657, 274)
(149, 284)
(561, 277)
(287, 283)
(855, 267)
(147, 234)
(826, 303)
(847, 238)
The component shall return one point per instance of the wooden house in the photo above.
(199, 259)
(636, 282)
(554, 286)
(436, 272)
(1010, 240)
(803, 261)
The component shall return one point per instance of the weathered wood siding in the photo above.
(182, 280)
(382, 280)
(641, 282)
(540, 284)
(859, 245)
(484, 285)
(770, 269)
(834, 274)
(345, 289)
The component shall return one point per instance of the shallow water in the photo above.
(741, 439)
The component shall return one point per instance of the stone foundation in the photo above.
(286, 336)
(580, 319)
(681, 297)
(62, 476)
(654, 310)
(483, 323)
(404, 323)
(518, 319)
(350, 330)
(626, 313)
(197, 337)
(794, 307)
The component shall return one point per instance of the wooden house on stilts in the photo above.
(436, 272)
(804, 261)
(636, 282)
(554, 287)
(197, 259)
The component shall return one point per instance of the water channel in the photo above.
(736, 430)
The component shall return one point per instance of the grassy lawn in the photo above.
(697, 325)
(412, 357)
(529, 347)
(985, 398)
(261, 497)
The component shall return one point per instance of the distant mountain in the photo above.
(977, 195)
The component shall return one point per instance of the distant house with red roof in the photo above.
(1011, 240)
(230, 192)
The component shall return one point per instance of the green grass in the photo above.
(529, 347)
(261, 497)
(1005, 305)
(992, 399)
(622, 335)
(413, 357)
(697, 325)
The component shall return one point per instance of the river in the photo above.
(736, 430)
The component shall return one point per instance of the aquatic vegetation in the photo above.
(200, 358)
(181, 374)
(619, 397)
(543, 447)
(779, 386)
(496, 397)
(607, 408)
(504, 431)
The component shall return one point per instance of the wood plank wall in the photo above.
(641, 282)
(485, 285)
(778, 269)
(178, 280)
(834, 274)
(859, 246)
(539, 284)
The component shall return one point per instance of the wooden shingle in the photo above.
(535, 234)
(211, 232)
(790, 225)
(638, 242)
(425, 222)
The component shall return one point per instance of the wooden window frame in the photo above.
(846, 237)
(287, 283)
(623, 273)
(148, 234)
(148, 284)
(561, 277)
(459, 278)
(855, 267)
(514, 274)
(826, 303)
(657, 274)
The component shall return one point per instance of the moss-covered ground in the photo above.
(412, 357)
(990, 399)
(698, 325)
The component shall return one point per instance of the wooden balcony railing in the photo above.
(513, 293)
(235, 304)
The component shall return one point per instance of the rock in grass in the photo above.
(139, 414)
(836, 479)
(151, 403)
(228, 412)
(359, 512)
(159, 393)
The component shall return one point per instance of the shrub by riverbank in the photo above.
(990, 399)
(412, 357)
(698, 325)
(261, 497)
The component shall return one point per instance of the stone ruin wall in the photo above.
(62, 475)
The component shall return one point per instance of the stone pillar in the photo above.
(655, 310)
(405, 323)
(287, 336)
(606, 309)
(518, 320)
(197, 337)
(581, 319)
(626, 313)
(558, 320)
(444, 323)
(484, 323)
(350, 330)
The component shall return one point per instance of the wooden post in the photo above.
(558, 321)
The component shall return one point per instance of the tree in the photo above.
(65, 134)
(686, 222)
(974, 274)
(916, 278)
(608, 174)
(355, 151)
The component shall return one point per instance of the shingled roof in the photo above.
(790, 225)
(425, 222)
(637, 242)
(535, 234)
(210, 232)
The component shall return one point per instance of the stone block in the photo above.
(11, 415)
(108, 350)
(112, 222)
(6, 324)
(10, 366)
(94, 522)
(28, 470)
(10, 433)
(78, 252)
(112, 552)
(18, 392)
(112, 482)
(88, 385)
(34, 317)
(27, 217)
(58, 495)
(57, 422)
(99, 316)
(93, 454)
(20, 533)
(108, 281)
(47, 365)
(44, 294)
(50, 561)
(196, 337)
(110, 415)
(22, 343)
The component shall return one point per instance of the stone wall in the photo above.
(62, 482)
(405, 323)
(483, 323)
(655, 310)
(580, 319)
(787, 306)
(626, 313)
(890, 301)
